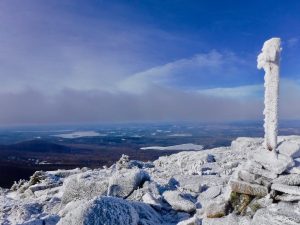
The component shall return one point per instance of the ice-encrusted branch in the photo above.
(269, 60)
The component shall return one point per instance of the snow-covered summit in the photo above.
(190, 187)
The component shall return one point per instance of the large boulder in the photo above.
(125, 181)
(242, 143)
(289, 148)
(290, 179)
(209, 195)
(276, 163)
(102, 211)
(191, 221)
(287, 198)
(147, 215)
(84, 186)
(292, 190)
(190, 182)
(255, 168)
(216, 210)
(276, 216)
(231, 219)
(178, 202)
(248, 188)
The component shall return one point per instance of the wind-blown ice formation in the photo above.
(269, 60)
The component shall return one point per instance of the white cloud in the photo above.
(240, 92)
(213, 63)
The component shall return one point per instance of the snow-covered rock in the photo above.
(287, 214)
(178, 202)
(287, 198)
(125, 163)
(292, 190)
(227, 220)
(100, 211)
(191, 221)
(290, 179)
(248, 188)
(276, 163)
(210, 193)
(216, 210)
(125, 181)
(86, 185)
(190, 182)
(289, 148)
(255, 168)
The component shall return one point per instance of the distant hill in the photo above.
(40, 146)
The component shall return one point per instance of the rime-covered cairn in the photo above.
(273, 177)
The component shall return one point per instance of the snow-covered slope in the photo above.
(183, 188)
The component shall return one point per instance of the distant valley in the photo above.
(24, 150)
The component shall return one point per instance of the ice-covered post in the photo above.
(269, 60)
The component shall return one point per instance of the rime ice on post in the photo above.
(269, 60)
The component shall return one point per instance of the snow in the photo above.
(269, 60)
(79, 134)
(180, 135)
(182, 147)
(177, 189)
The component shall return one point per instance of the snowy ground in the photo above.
(184, 188)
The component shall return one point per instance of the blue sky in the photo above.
(112, 61)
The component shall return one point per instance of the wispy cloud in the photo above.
(203, 69)
(240, 92)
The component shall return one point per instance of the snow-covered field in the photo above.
(79, 134)
(180, 135)
(190, 187)
(182, 147)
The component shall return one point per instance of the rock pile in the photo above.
(262, 184)
(267, 173)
